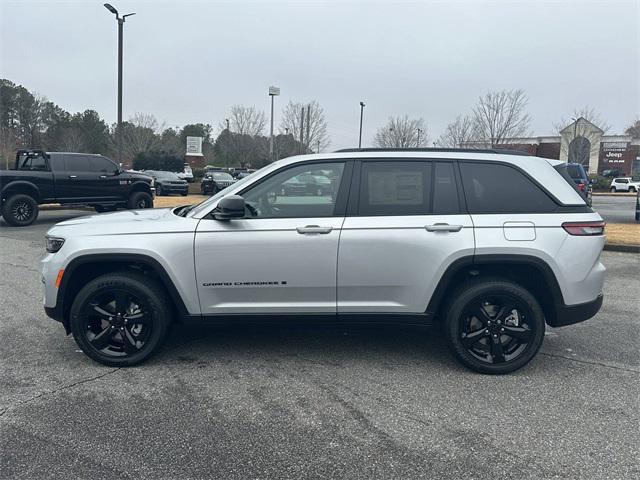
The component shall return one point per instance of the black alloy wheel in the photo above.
(495, 326)
(119, 319)
(20, 210)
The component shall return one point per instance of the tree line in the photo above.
(29, 120)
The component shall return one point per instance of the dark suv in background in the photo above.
(579, 176)
(168, 182)
(42, 177)
(214, 181)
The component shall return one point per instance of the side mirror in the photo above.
(231, 206)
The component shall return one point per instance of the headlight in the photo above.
(54, 244)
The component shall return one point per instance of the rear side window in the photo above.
(102, 165)
(495, 188)
(76, 163)
(395, 188)
(445, 190)
(56, 161)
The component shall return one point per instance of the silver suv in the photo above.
(489, 245)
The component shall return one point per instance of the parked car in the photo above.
(638, 206)
(579, 175)
(239, 173)
(480, 243)
(69, 179)
(214, 181)
(624, 184)
(186, 174)
(611, 173)
(168, 183)
(307, 184)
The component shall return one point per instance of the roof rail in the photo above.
(453, 150)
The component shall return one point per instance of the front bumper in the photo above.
(570, 314)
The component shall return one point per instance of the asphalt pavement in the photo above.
(615, 208)
(313, 402)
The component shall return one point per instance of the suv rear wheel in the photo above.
(20, 210)
(119, 319)
(494, 326)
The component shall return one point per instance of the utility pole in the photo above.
(418, 142)
(120, 21)
(227, 120)
(309, 147)
(318, 145)
(361, 114)
(302, 131)
(273, 92)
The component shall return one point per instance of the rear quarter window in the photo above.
(498, 188)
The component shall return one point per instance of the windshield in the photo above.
(166, 175)
(221, 176)
(206, 204)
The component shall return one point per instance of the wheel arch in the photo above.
(84, 268)
(140, 186)
(531, 272)
(21, 187)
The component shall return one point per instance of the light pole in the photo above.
(227, 120)
(120, 21)
(361, 114)
(418, 142)
(273, 92)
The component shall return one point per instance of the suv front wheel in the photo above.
(494, 326)
(119, 319)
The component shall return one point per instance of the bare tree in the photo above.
(500, 116)
(315, 127)
(245, 121)
(634, 129)
(459, 132)
(141, 133)
(402, 132)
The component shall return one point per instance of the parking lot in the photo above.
(305, 402)
(616, 208)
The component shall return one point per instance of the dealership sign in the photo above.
(194, 146)
(614, 151)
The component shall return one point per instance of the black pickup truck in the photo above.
(69, 179)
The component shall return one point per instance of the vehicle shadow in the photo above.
(330, 344)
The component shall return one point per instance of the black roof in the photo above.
(451, 150)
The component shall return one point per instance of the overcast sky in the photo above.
(188, 62)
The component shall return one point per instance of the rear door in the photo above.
(405, 224)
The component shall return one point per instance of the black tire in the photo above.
(139, 200)
(20, 210)
(613, 189)
(632, 189)
(124, 343)
(184, 194)
(478, 326)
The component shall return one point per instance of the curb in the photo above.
(616, 247)
(609, 194)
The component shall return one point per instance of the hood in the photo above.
(151, 220)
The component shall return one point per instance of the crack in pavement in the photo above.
(54, 391)
(587, 362)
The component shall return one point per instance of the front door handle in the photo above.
(314, 229)
(102, 176)
(73, 176)
(443, 227)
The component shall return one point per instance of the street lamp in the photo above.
(273, 92)
(418, 142)
(120, 21)
(361, 113)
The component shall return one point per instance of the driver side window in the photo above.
(302, 191)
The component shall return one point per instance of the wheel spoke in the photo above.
(505, 311)
(122, 301)
(523, 334)
(469, 339)
(128, 341)
(497, 352)
(481, 314)
(140, 317)
(101, 311)
(102, 339)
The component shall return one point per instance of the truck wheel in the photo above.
(494, 326)
(20, 210)
(139, 200)
(120, 319)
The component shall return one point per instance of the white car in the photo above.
(186, 174)
(490, 245)
(624, 184)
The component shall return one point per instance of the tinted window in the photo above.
(394, 188)
(293, 192)
(445, 189)
(494, 188)
(33, 162)
(576, 171)
(102, 165)
(77, 163)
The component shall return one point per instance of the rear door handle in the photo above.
(102, 176)
(73, 176)
(314, 229)
(443, 227)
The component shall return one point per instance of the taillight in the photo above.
(584, 228)
(581, 186)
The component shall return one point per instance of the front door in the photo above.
(281, 258)
(405, 225)
(76, 182)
